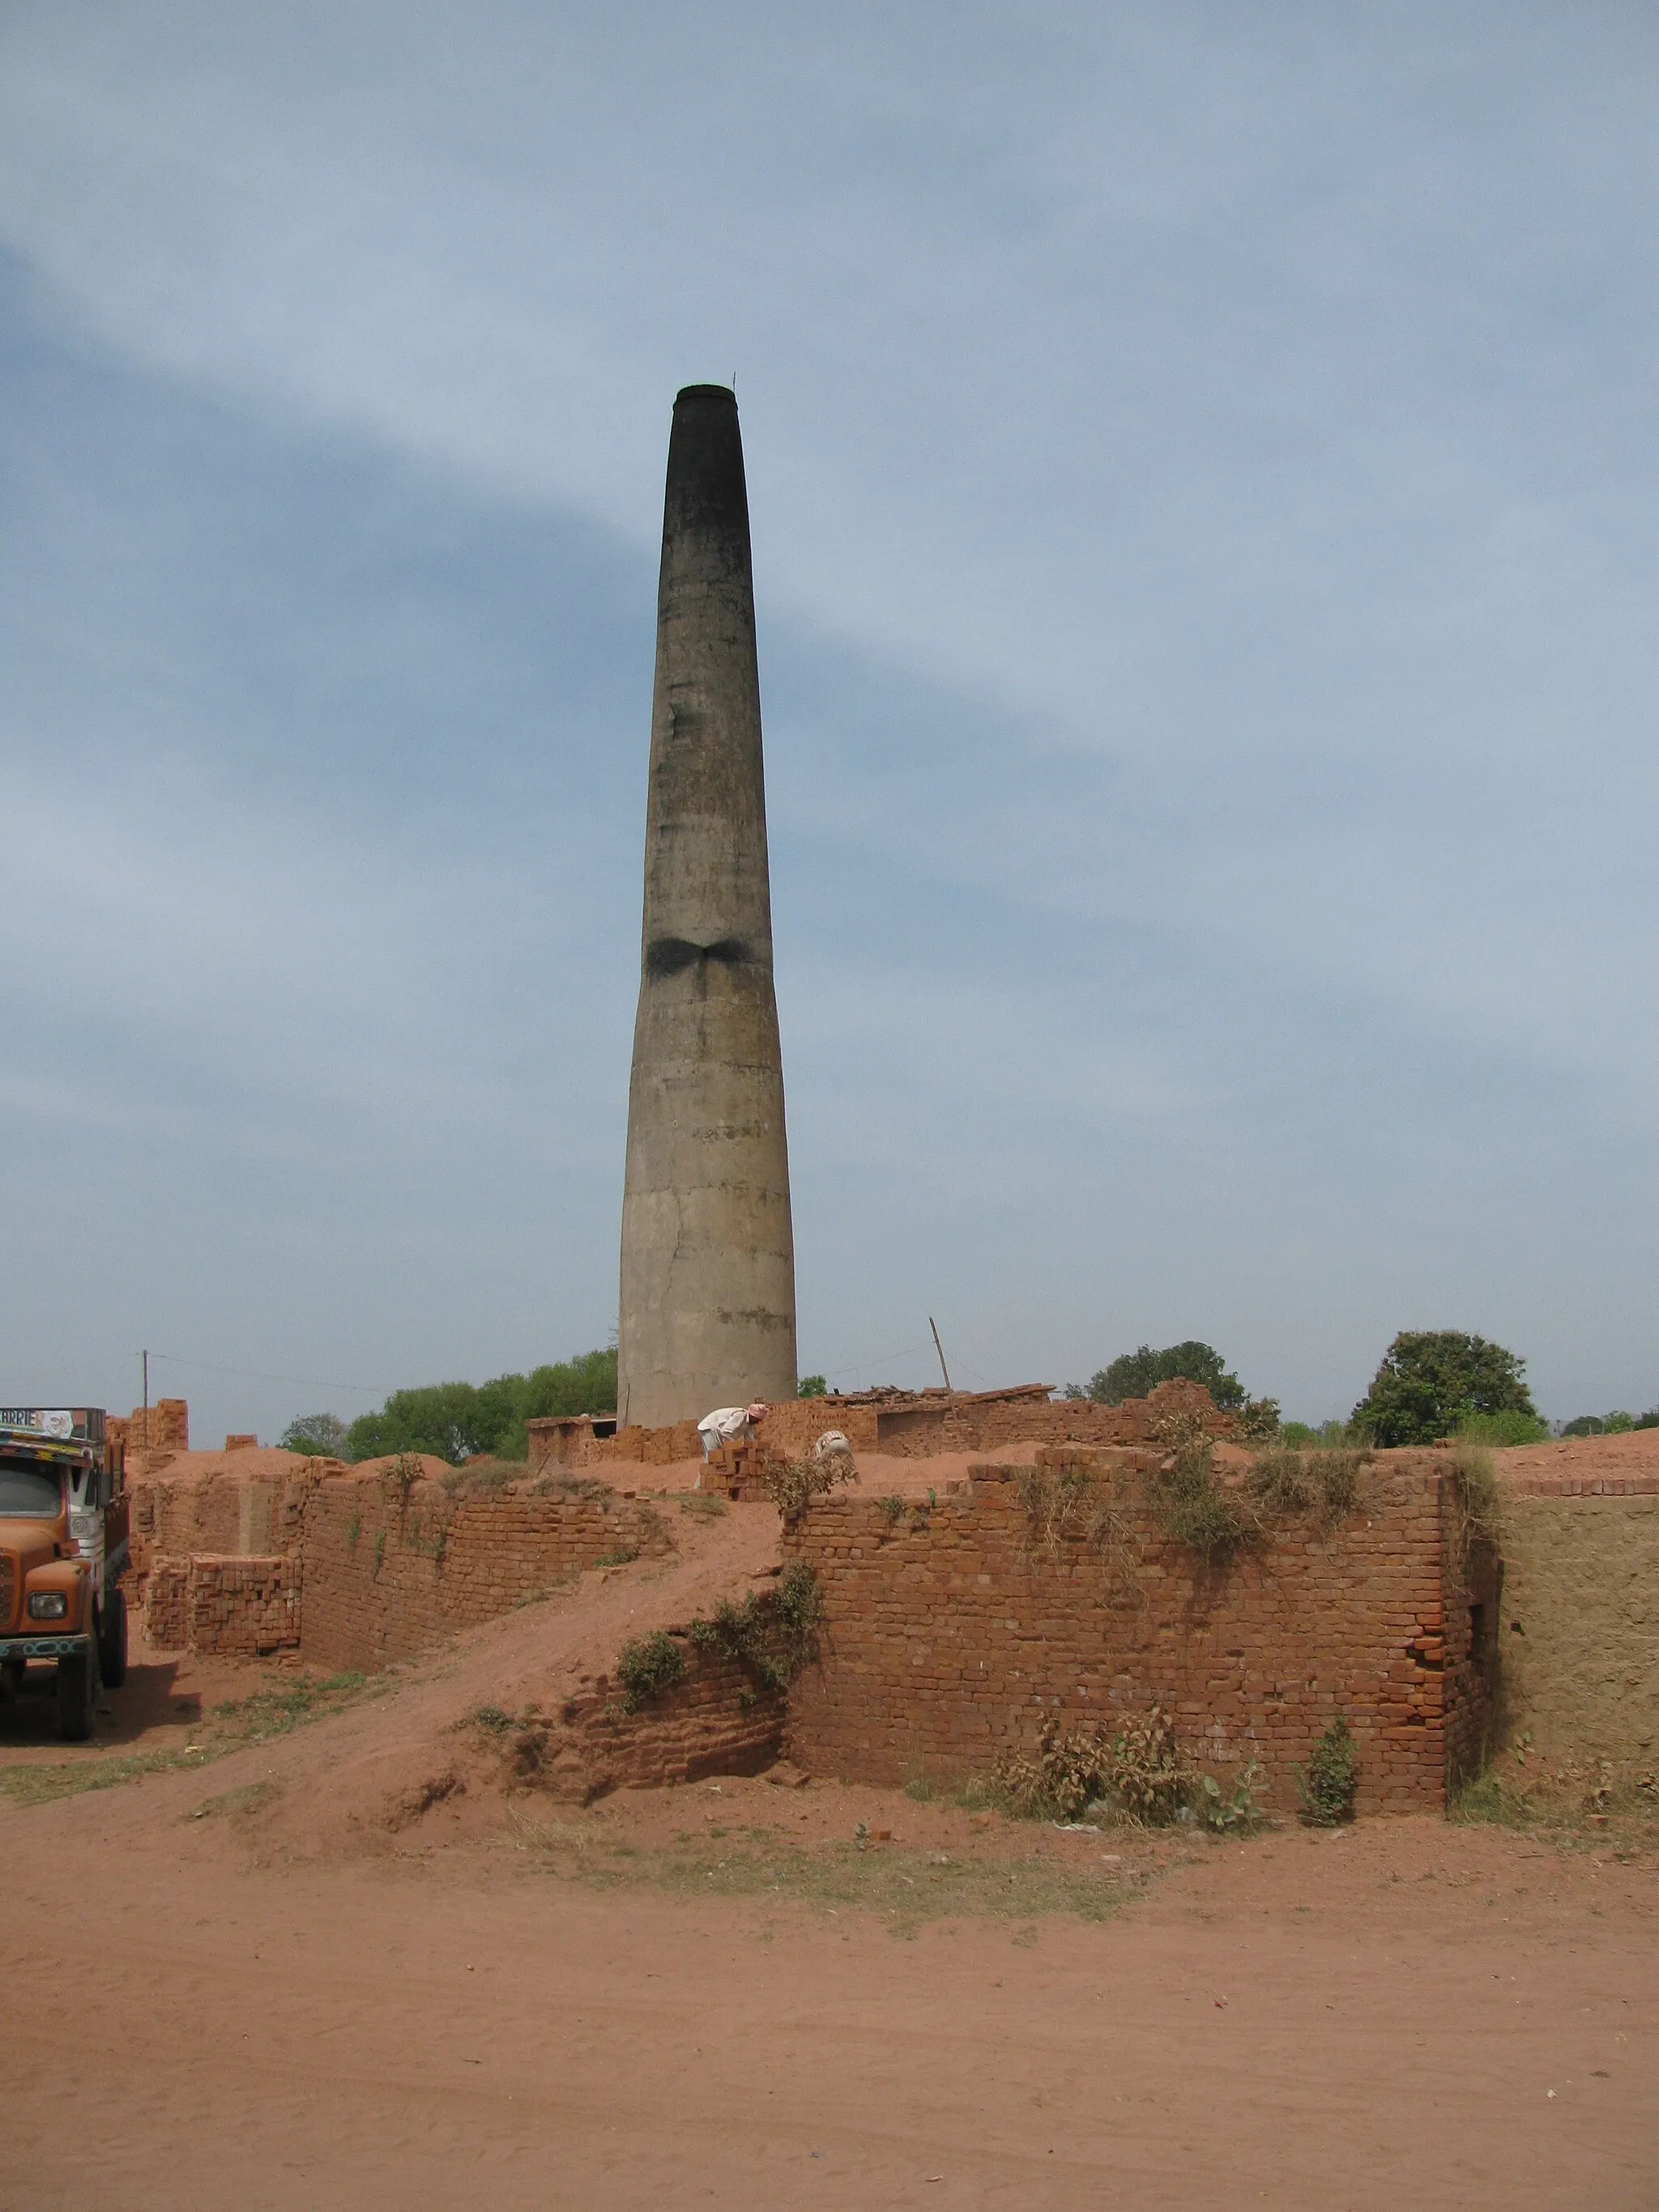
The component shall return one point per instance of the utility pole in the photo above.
(940, 1348)
(144, 1356)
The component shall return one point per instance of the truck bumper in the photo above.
(42, 1647)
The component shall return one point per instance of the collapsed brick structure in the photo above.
(899, 1424)
(715, 1720)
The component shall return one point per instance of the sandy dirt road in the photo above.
(1404, 2015)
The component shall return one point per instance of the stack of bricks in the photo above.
(238, 1608)
(243, 1608)
(163, 1599)
(644, 1447)
(162, 1427)
(738, 1471)
(952, 1633)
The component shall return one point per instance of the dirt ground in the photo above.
(268, 1967)
(721, 1994)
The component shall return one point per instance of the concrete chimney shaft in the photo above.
(708, 1314)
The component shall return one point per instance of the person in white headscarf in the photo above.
(729, 1424)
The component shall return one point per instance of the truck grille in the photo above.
(8, 1589)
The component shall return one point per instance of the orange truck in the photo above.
(63, 1551)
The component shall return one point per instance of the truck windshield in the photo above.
(27, 1491)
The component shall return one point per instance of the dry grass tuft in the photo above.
(905, 1888)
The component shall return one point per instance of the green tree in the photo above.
(1607, 1425)
(812, 1385)
(1429, 1379)
(454, 1420)
(1136, 1374)
(585, 1384)
(319, 1436)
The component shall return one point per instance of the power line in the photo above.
(856, 1366)
(257, 1374)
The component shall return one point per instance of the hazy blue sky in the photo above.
(1204, 465)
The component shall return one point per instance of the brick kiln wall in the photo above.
(391, 1570)
(951, 1632)
(163, 1600)
(380, 1567)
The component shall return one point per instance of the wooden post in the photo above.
(940, 1348)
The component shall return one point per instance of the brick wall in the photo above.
(391, 1570)
(951, 1633)
(381, 1566)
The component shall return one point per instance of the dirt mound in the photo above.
(257, 1463)
(1632, 1456)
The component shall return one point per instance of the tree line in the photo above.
(1431, 1384)
(456, 1421)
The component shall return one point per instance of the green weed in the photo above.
(646, 1666)
(1328, 1784)
(1186, 1492)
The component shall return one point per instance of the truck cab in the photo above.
(63, 1516)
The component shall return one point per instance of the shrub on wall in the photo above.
(1500, 1431)
(1285, 1482)
(646, 1666)
(1185, 1490)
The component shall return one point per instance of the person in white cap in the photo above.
(729, 1424)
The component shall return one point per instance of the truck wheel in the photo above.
(77, 1693)
(112, 1642)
